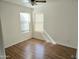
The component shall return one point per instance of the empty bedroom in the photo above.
(38, 29)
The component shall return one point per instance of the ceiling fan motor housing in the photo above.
(33, 2)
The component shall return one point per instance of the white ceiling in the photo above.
(21, 2)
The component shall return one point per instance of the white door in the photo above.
(2, 52)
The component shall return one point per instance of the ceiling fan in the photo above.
(35, 2)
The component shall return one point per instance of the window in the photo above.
(39, 19)
(25, 21)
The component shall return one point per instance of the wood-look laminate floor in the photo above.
(38, 49)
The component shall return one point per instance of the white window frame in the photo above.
(25, 29)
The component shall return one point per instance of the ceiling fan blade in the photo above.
(41, 1)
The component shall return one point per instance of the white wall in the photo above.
(10, 20)
(60, 21)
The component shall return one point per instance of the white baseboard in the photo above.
(48, 38)
(9, 45)
(44, 36)
(67, 45)
(38, 35)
